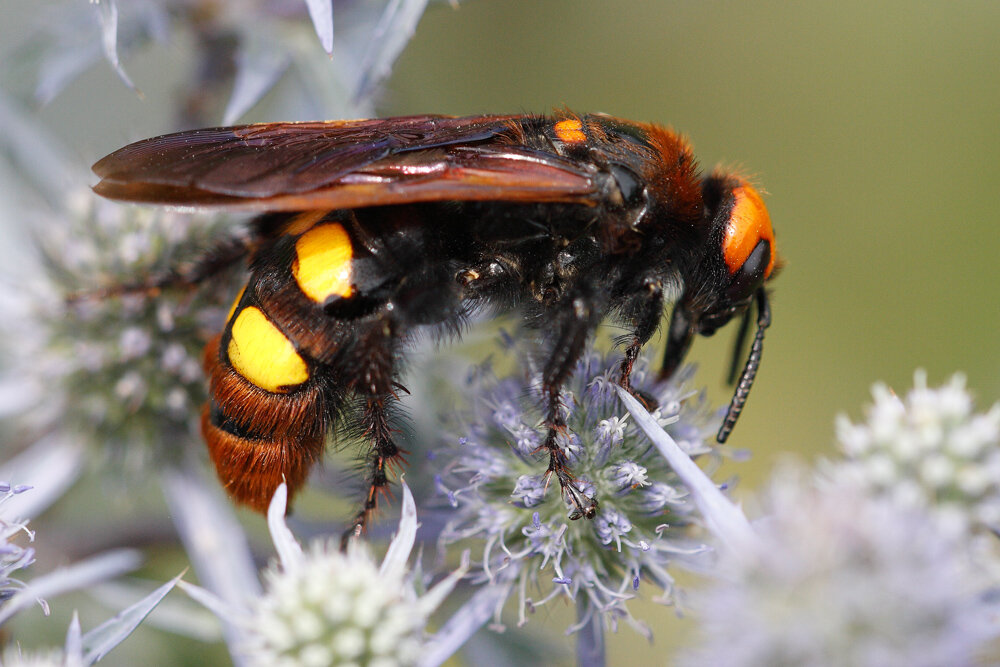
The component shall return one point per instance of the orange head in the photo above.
(739, 257)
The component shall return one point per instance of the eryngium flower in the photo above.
(844, 578)
(496, 482)
(13, 656)
(334, 609)
(327, 607)
(928, 450)
(119, 370)
(13, 556)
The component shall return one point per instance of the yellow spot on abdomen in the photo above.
(322, 265)
(263, 355)
(570, 131)
(303, 222)
(236, 302)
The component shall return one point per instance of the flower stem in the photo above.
(590, 637)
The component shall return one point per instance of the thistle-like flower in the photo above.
(496, 483)
(118, 371)
(16, 595)
(844, 578)
(243, 49)
(13, 556)
(322, 606)
(14, 656)
(930, 450)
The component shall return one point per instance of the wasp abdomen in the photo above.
(267, 419)
(257, 438)
(322, 264)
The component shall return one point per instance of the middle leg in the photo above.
(646, 313)
(577, 316)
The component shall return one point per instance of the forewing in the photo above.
(342, 164)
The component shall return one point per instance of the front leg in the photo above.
(645, 321)
(577, 316)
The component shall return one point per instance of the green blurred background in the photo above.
(873, 127)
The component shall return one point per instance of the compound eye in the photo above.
(749, 224)
(750, 276)
(628, 183)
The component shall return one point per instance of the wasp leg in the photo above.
(384, 455)
(376, 385)
(647, 319)
(581, 315)
(222, 255)
(493, 282)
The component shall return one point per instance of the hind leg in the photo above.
(374, 368)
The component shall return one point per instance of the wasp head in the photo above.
(738, 259)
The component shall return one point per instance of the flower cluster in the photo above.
(868, 561)
(13, 556)
(329, 59)
(928, 450)
(328, 607)
(311, 616)
(495, 481)
(118, 370)
(335, 608)
(845, 578)
(14, 656)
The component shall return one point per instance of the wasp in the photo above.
(370, 232)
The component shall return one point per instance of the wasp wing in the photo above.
(344, 164)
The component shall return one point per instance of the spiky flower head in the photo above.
(13, 656)
(242, 49)
(843, 578)
(328, 607)
(929, 449)
(13, 555)
(336, 609)
(121, 371)
(497, 485)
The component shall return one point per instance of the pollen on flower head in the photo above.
(503, 499)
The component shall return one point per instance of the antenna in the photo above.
(749, 370)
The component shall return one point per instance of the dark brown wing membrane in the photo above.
(342, 164)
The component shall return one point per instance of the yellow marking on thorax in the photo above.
(322, 265)
(263, 355)
(570, 131)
